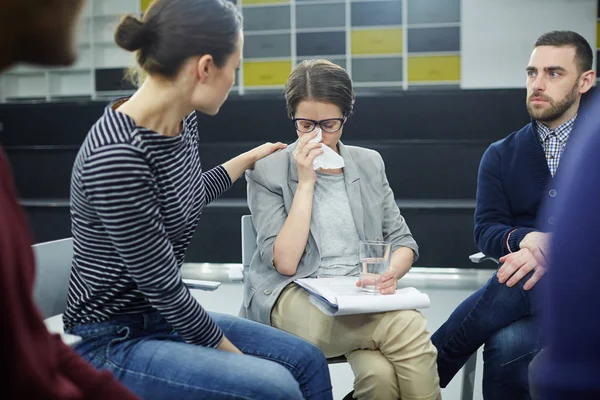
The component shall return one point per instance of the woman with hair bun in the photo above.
(137, 192)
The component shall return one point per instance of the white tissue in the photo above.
(329, 159)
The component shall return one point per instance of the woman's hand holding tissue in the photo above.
(304, 155)
(238, 165)
(291, 240)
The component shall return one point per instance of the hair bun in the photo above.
(131, 34)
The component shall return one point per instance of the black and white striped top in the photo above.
(136, 198)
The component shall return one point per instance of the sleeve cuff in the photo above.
(224, 175)
(515, 237)
(216, 181)
(410, 244)
(215, 339)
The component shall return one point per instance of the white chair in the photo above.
(248, 248)
(53, 269)
(478, 258)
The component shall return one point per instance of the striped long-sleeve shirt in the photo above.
(136, 198)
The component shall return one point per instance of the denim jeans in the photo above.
(503, 319)
(153, 361)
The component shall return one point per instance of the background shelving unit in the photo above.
(98, 55)
(384, 45)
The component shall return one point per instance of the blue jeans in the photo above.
(153, 361)
(502, 318)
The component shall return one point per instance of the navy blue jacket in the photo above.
(571, 293)
(513, 182)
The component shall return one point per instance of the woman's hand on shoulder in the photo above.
(304, 155)
(264, 150)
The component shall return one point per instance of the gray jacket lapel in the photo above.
(352, 178)
(293, 170)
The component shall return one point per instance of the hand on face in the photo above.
(304, 155)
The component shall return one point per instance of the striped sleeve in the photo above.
(216, 181)
(120, 186)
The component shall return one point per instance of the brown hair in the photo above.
(171, 31)
(319, 80)
(583, 51)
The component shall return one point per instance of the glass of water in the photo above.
(375, 260)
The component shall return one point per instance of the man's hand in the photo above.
(517, 265)
(538, 244)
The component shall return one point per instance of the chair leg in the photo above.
(468, 384)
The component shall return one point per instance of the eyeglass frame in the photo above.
(318, 123)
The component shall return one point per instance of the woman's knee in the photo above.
(273, 381)
(374, 375)
(407, 341)
(406, 326)
(261, 379)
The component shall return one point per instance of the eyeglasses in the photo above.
(327, 125)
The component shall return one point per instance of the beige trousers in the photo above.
(390, 353)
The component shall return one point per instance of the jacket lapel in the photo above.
(352, 179)
(293, 171)
(536, 158)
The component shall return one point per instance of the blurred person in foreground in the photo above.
(569, 367)
(39, 364)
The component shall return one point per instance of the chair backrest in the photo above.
(248, 240)
(53, 269)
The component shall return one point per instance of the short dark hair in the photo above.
(583, 51)
(319, 80)
(171, 31)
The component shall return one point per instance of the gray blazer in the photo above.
(271, 187)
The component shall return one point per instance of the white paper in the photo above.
(329, 159)
(341, 296)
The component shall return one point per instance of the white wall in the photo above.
(497, 36)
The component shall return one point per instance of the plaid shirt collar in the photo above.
(562, 132)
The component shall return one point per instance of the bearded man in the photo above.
(516, 176)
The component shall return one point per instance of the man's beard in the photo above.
(556, 110)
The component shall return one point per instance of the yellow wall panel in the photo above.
(376, 41)
(144, 4)
(245, 2)
(266, 73)
(434, 68)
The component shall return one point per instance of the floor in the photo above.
(445, 287)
